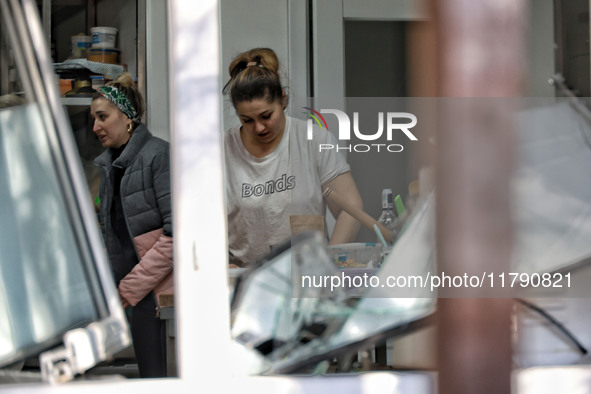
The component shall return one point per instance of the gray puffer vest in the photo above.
(145, 192)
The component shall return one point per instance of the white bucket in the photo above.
(103, 36)
(79, 46)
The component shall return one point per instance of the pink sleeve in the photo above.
(155, 250)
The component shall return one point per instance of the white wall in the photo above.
(157, 90)
(385, 9)
(541, 49)
(247, 25)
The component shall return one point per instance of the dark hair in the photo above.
(254, 74)
(125, 83)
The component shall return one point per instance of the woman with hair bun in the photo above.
(135, 215)
(273, 170)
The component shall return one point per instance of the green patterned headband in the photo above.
(117, 97)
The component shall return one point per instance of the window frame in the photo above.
(24, 33)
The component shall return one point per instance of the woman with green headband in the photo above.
(135, 215)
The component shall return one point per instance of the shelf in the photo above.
(85, 101)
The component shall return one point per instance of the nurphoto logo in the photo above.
(392, 121)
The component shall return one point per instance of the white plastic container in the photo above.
(97, 81)
(80, 44)
(103, 36)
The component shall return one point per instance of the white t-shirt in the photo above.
(262, 193)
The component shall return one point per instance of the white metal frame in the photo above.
(33, 60)
(198, 193)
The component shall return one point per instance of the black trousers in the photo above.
(148, 333)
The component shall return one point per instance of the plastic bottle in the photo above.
(401, 213)
(388, 217)
(400, 209)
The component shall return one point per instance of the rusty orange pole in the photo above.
(481, 54)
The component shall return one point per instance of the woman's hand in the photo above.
(124, 302)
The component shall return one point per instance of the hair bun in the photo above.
(254, 74)
(265, 57)
(125, 80)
